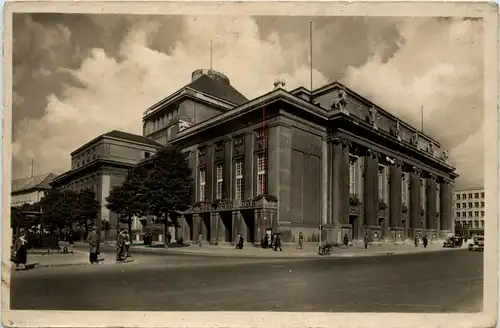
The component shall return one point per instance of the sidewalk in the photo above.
(289, 250)
(54, 259)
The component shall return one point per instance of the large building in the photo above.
(469, 209)
(295, 160)
(30, 190)
(104, 163)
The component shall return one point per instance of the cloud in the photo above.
(107, 70)
(113, 94)
(439, 66)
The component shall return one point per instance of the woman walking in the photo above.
(20, 250)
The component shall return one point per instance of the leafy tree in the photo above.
(169, 184)
(129, 199)
(58, 208)
(85, 209)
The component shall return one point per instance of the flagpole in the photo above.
(311, 56)
(422, 118)
(211, 54)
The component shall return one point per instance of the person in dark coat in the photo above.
(416, 241)
(425, 241)
(366, 240)
(277, 242)
(241, 240)
(273, 240)
(94, 243)
(20, 250)
(346, 241)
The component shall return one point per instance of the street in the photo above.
(427, 282)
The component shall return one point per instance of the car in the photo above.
(452, 242)
(477, 244)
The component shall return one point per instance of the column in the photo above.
(262, 222)
(214, 223)
(370, 197)
(415, 204)
(239, 226)
(340, 182)
(445, 196)
(395, 201)
(196, 226)
(179, 227)
(430, 202)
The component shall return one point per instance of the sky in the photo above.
(78, 76)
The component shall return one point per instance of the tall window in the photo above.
(203, 184)
(239, 179)
(352, 176)
(220, 181)
(381, 182)
(261, 174)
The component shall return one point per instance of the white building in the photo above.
(469, 209)
(30, 190)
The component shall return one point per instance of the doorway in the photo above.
(227, 222)
(248, 217)
(205, 226)
(354, 222)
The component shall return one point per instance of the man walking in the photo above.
(277, 243)
(346, 241)
(93, 240)
(120, 244)
(425, 241)
(366, 240)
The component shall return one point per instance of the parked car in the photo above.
(477, 244)
(452, 242)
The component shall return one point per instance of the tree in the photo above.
(86, 208)
(169, 184)
(58, 208)
(129, 199)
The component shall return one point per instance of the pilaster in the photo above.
(430, 200)
(395, 202)
(214, 229)
(196, 226)
(445, 196)
(240, 226)
(340, 184)
(415, 202)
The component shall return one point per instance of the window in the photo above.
(476, 224)
(381, 182)
(458, 214)
(352, 176)
(146, 154)
(482, 195)
(482, 214)
(470, 195)
(476, 204)
(239, 179)
(482, 224)
(261, 174)
(476, 214)
(203, 184)
(458, 196)
(470, 214)
(470, 204)
(202, 151)
(464, 196)
(220, 181)
(482, 204)
(476, 195)
(458, 205)
(464, 214)
(93, 154)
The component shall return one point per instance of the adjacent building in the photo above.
(30, 190)
(469, 209)
(102, 164)
(327, 161)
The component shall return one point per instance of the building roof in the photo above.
(36, 182)
(131, 137)
(217, 88)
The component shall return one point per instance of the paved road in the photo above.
(427, 282)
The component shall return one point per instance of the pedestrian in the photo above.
(425, 241)
(169, 238)
(366, 240)
(93, 240)
(200, 239)
(277, 242)
(416, 241)
(120, 245)
(346, 241)
(20, 250)
(301, 240)
(241, 241)
(126, 244)
(273, 240)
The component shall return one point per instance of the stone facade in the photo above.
(285, 162)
